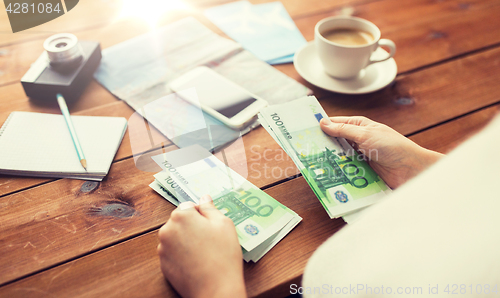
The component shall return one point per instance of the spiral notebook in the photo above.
(36, 144)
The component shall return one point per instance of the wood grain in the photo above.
(443, 30)
(448, 136)
(95, 14)
(424, 31)
(85, 14)
(433, 92)
(131, 268)
(14, 99)
(435, 95)
(428, 97)
(9, 184)
(61, 220)
(294, 194)
(63, 211)
(77, 238)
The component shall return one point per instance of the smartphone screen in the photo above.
(219, 94)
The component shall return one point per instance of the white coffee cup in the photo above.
(346, 61)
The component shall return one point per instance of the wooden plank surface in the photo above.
(74, 217)
(131, 268)
(438, 94)
(117, 267)
(428, 97)
(94, 14)
(426, 32)
(448, 136)
(9, 184)
(14, 99)
(96, 239)
(443, 31)
(434, 100)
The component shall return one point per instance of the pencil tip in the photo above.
(84, 163)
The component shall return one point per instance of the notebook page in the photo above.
(35, 142)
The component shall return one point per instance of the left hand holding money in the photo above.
(199, 252)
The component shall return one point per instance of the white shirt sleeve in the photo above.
(437, 235)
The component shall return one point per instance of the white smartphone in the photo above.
(219, 97)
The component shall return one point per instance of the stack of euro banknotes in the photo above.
(192, 172)
(340, 177)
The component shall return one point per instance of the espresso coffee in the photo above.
(348, 37)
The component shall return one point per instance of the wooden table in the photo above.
(61, 237)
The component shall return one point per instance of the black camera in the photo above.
(66, 67)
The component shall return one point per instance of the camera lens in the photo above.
(63, 50)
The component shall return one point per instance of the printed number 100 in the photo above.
(253, 202)
(27, 8)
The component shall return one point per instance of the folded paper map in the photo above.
(266, 30)
(138, 71)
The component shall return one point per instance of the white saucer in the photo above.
(373, 78)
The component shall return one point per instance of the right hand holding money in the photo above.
(261, 221)
(395, 158)
(199, 252)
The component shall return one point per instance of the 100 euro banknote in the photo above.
(340, 177)
(165, 186)
(196, 172)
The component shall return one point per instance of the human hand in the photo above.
(199, 252)
(395, 158)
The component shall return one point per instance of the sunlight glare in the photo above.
(150, 11)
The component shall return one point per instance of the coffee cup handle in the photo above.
(392, 50)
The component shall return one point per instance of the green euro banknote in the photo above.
(256, 215)
(255, 254)
(258, 252)
(340, 177)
